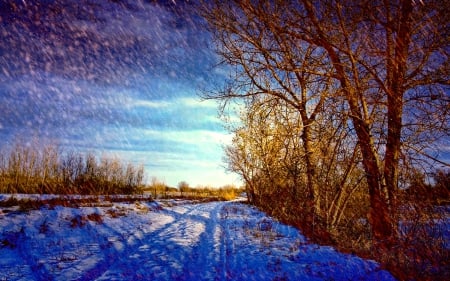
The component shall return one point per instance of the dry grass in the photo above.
(48, 170)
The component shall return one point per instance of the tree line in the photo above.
(159, 189)
(45, 169)
(342, 102)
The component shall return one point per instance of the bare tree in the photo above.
(388, 60)
(405, 53)
(183, 186)
(269, 63)
(268, 153)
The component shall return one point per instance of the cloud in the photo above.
(116, 77)
(147, 104)
(197, 103)
(192, 137)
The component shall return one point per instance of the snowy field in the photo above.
(165, 240)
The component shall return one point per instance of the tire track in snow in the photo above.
(132, 254)
(117, 243)
(207, 261)
(224, 242)
(111, 251)
(38, 269)
(175, 251)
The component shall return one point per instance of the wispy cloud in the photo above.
(197, 103)
(147, 104)
(193, 137)
(116, 77)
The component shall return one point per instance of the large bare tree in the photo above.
(273, 64)
(388, 60)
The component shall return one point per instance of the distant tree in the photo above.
(157, 187)
(442, 185)
(442, 179)
(183, 187)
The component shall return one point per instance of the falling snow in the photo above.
(71, 72)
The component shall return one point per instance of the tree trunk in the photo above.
(379, 216)
(313, 191)
(396, 78)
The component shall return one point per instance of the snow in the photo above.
(166, 241)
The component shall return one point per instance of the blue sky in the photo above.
(120, 78)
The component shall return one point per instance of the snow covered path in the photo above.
(210, 241)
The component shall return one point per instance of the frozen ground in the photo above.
(166, 241)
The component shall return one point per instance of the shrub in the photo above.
(48, 170)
